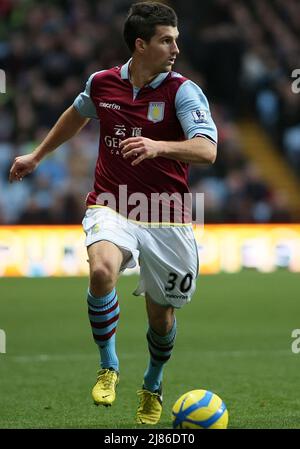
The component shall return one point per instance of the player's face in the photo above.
(161, 51)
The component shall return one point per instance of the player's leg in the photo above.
(112, 246)
(105, 260)
(169, 267)
(161, 337)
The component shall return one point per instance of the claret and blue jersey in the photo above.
(170, 108)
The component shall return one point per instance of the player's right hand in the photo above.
(22, 166)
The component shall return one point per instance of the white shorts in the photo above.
(168, 256)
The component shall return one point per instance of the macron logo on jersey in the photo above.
(109, 105)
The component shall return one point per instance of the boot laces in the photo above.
(107, 378)
(148, 399)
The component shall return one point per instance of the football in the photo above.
(199, 409)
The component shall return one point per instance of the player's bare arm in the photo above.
(69, 124)
(196, 150)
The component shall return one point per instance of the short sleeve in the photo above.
(83, 102)
(193, 113)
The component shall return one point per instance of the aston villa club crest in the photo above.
(156, 111)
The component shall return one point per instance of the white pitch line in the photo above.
(48, 357)
(249, 353)
(77, 357)
(57, 357)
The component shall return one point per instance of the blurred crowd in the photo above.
(241, 53)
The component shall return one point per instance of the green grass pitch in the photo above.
(234, 338)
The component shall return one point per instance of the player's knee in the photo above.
(102, 278)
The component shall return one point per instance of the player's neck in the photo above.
(139, 74)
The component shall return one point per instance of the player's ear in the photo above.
(140, 45)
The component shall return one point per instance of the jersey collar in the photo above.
(154, 83)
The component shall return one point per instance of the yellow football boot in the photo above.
(150, 407)
(104, 392)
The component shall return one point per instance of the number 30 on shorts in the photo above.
(185, 282)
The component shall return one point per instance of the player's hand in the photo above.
(140, 148)
(22, 166)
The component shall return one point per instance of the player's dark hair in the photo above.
(142, 20)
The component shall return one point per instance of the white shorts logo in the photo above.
(156, 111)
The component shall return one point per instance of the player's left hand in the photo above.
(140, 148)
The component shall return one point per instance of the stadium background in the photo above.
(242, 53)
